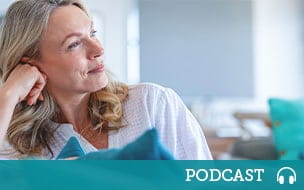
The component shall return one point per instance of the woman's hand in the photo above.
(25, 82)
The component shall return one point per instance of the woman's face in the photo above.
(71, 55)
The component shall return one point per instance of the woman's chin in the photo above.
(100, 85)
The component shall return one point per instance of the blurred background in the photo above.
(225, 58)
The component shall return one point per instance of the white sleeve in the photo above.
(179, 131)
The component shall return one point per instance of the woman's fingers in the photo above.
(32, 99)
(26, 82)
(36, 92)
(40, 97)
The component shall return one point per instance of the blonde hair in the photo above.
(20, 33)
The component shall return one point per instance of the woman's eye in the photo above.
(74, 45)
(93, 33)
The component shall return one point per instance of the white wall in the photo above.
(208, 42)
(279, 49)
(4, 5)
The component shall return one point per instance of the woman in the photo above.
(54, 86)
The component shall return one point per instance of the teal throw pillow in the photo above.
(146, 147)
(287, 118)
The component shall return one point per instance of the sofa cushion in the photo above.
(146, 147)
(287, 118)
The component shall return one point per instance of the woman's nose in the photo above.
(96, 49)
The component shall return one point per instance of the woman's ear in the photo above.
(24, 60)
(30, 61)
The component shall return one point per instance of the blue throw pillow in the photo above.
(146, 147)
(287, 117)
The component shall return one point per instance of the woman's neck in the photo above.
(74, 110)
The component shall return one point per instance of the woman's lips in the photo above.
(97, 69)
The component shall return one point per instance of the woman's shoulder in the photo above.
(150, 91)
(145, 87)
(144, 92)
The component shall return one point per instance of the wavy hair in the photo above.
(29, 132)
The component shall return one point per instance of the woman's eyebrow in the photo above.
(75, 34)
(71, 35)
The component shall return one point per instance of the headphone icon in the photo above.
(292, 178)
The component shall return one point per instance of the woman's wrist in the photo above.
(8, 102)
(8, 96)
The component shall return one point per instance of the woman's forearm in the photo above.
(25, 83)
(7, 105)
